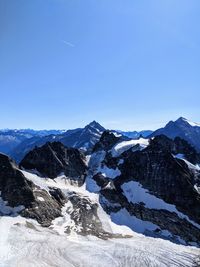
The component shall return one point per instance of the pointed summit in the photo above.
(96, 125)
(184, 120)
(182, 128)
(181, 119)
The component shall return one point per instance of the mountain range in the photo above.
(75, 195)
(10, 139)
(132, 200)
(17, 143)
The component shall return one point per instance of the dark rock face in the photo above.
(19, 191)
(183, 129)
(107, 141)
(44, 208)
(52, 159)
(101, 180)
(176, 146)
(13, 186)
(157, 169)
(165, 176)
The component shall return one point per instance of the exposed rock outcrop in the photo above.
(35, 202)
(54, 159)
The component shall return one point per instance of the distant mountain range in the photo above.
(17, 143)
(9, 139)
(136, 134)
(82, 138)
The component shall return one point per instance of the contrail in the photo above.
(68, 43)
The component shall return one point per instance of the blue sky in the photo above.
(125, 63)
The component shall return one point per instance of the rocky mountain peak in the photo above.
(96, 125)
(108, 139)
(94, 129)
(187, 122)
(54, 159)
(177, 146)
(182, 128)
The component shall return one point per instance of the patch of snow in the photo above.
(179, 156)
(121, 161)
(135, 193)
(116, 134)
(95, 166)
(111, 227)
(123, 217)
(110, 185)
(95, 160)
(39, 181)
(110, 173)
(91, 185)
(191, 123)
(121, 147)
(61, 223)
(87, 159)
(190, 165)
(105, 202)
(197, 188)
(40, 199)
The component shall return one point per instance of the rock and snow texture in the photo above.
(151, 190)
(135, 193)
(147, 185)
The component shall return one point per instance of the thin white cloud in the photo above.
(68, 43)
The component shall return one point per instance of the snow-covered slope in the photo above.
(121, 147)
(24, 243)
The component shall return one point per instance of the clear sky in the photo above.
(129, 64)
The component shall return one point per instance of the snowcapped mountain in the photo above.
(183, 128)
(127, 204)
(82, 138)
